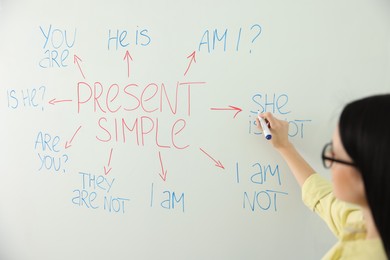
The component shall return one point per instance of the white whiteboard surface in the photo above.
(128, 126)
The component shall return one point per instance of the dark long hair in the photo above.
(365, 133)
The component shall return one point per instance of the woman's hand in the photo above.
(278, 128)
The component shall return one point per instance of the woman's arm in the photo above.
(279, 129)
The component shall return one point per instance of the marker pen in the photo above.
(266, 131)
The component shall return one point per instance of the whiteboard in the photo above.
(129, 126)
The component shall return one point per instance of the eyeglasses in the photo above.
(328, 157)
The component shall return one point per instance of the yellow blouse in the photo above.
(345, 221)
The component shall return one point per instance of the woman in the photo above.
(357, 208)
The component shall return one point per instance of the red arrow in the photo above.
(192, 56)
(229, 108)
(217, 163)
(69, 144)
(128, 58)
(76, 59)
(108, 168)
(163, 173)
(55, 101)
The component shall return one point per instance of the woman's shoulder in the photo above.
(359, 249)
(344, 219)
